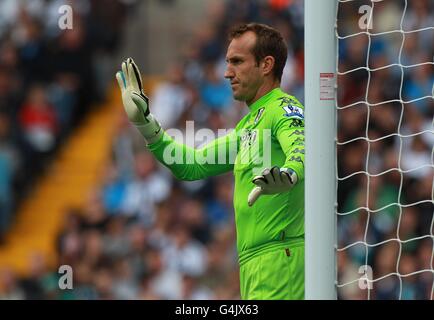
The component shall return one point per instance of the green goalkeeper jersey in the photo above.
(271, 134)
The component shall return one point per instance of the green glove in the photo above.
(272, 181)
(136, 103)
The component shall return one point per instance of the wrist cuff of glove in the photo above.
(291, 174)
(151, 131)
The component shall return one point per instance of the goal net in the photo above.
(385, 153)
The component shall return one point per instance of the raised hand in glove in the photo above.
(136, 103)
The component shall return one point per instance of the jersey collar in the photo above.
(264, 99)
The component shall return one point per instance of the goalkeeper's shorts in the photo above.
(274, 275)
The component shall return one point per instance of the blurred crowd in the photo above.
(145, 235)
(391, 107)
(49, 79)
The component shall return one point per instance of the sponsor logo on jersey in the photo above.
(288, 100)
(248, 137)
(296, 123)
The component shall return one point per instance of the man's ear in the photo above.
(267, 65)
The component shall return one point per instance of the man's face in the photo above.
(242, 69)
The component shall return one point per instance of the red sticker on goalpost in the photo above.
(327, 86)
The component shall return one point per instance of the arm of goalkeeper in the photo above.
(136, 103)
(272, 181)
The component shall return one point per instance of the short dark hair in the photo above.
(269, 42)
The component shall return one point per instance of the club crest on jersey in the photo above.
(259, 115)
(293, 112)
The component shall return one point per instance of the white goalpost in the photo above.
(320, 189)
(369, 97)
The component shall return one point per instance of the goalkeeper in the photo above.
(268, 197)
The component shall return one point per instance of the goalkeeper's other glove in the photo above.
(136, 103)
(272, 181)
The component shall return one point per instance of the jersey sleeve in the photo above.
(288, 128)
(187, 163)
